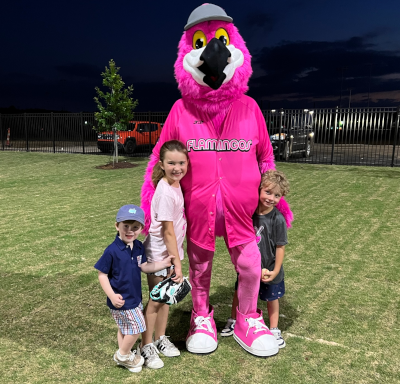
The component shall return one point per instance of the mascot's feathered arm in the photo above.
(148, 188)
(266, 162)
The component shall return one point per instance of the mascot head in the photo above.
(213, 65)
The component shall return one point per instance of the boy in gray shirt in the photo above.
(271, 233)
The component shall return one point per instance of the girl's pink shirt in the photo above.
(230, 161)
(167, 205)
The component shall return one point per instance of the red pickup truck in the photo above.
(139, 133)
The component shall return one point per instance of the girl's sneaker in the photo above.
(150, 355)
(229, 327)
(167, 348)
(278, 336)
(133, 362)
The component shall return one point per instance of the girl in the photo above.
(166, 234)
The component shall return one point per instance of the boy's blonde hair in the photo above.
(275, 177)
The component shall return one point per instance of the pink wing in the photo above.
(147, 194)
(284, 208)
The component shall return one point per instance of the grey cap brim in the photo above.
(207, 12)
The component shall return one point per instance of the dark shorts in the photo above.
(271, 292)
(268, 292)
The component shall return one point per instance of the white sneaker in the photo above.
(229, 327)
(150, 355)
(133, 362)
(278, 336)
(166, 347)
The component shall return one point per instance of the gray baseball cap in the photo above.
(206, 12)
(130, 212)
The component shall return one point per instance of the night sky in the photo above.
(306, 54)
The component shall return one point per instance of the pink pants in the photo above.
(247, 261)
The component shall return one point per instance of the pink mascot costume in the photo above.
(229, 148)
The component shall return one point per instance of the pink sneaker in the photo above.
(202, 336)
(253, 335)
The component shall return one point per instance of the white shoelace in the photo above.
(151, 351)
(166, 342)
(131, 356)
(204, 323)
(257, 324)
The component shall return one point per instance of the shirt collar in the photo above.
(120, 244)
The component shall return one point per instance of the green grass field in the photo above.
(340, 314)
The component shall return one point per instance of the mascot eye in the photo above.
(222, 35)
(199, 40)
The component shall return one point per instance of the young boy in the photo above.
(271, 233)
(119, 275)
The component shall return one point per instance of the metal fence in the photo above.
(355, 136)
(62, 132)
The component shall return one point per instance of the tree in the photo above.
(118, 109)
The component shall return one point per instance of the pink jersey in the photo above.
(229, 162)
(166, 205)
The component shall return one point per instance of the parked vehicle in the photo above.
(139, 134)
(295, 137)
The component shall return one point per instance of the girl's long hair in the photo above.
(168, 146)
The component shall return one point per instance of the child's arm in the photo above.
(279, 255)
(172, 248)
(156, 265)
(116, 299)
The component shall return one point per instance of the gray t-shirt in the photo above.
(271, 231)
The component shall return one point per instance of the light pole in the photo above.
(369, 80)
(349, 89)
(341, 85)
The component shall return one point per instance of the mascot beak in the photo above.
(215, 57)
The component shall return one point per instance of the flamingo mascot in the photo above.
(229, 148)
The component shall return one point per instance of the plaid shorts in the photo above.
(129, 321)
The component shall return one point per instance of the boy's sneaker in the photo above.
(278, 336)
(133, 362)
(167, 348)
(150, 354)
(229, 327)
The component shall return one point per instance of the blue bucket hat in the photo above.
(130, 212)
(206, 12)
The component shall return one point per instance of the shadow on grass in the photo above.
(68, 313)
(221, 300)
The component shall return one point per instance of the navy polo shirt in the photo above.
(121, 264)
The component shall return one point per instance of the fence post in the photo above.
(52, 133)
(334, 135)
(82, 133)
(280, 133)
(395, 135)
(149, 132)
(26, 133)
(1, 134)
